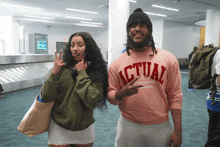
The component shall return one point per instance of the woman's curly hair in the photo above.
(97, 68)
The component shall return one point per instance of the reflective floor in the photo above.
(14, 106)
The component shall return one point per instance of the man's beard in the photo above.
(140, 45)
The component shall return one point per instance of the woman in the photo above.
(78, 84)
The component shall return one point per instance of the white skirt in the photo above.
(60, 136)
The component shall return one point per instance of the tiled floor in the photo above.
(14, 106)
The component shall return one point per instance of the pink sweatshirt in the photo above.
(160, 76)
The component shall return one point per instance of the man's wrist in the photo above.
(122, 93)
(119, 95)
(178, 129)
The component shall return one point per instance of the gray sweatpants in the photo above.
(129, 134)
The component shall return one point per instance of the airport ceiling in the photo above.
(190, 11)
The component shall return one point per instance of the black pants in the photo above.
(214, 129)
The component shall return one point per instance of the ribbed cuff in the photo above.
(82, 73)
(54, 78)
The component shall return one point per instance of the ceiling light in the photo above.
(81, 11)
(103, 6)
(78, 18)
(87, 25)
(38, 17)
(94, 23)
(36, 20)
(165, 8)
(156, 14)
(133, 1)
(23, 7)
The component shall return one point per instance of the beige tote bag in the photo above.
(37, 119)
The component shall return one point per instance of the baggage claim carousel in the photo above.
(18, 72)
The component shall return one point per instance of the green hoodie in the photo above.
(74, 100)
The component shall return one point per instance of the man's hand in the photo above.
(175, 139)
(128, 90)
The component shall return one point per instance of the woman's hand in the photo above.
(82, 65)
(58, 63)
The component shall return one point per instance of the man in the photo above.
(145, 83)
(190, 86)
(193, 52)
(214, 110)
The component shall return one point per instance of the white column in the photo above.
(21, 40)
(212, 27)
(10, 29)
(5, 29)
(117, 35)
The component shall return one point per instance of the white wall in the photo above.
(158, 33)
(180, 39)
(60, 34)
(11, 31)
(102, 41)
(176, 38)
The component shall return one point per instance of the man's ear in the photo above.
(148, 28)
(129, 28)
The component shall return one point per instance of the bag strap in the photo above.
(39, 99)
(214, 86)
(214, 90)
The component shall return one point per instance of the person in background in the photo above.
(1, 90)
(195, 49)
(214, 110)
(78, 84)
(145, 83)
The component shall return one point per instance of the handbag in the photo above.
(37, 119)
